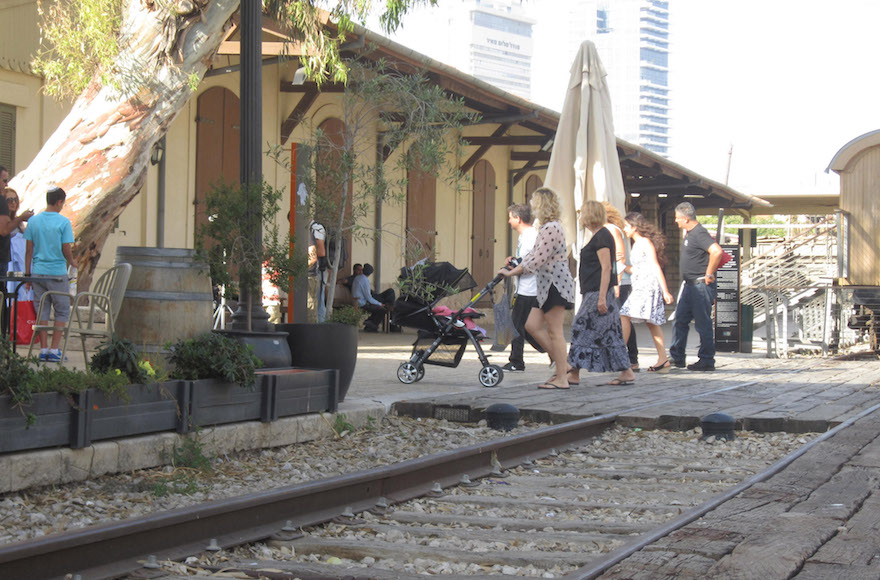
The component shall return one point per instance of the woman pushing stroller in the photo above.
(549, 261)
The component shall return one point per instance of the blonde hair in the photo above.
(592, 215)
(545, 205)
(612, 215)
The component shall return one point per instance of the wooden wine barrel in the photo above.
(168, 297)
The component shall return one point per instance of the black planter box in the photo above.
(53, 426)
(150, 408)
(215, 402)
(300, 391)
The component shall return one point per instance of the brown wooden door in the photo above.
(421, 211)
(483, 265)
(330, 180)
(217, 144)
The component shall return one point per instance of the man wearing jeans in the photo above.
(699, 260)
(519, 217)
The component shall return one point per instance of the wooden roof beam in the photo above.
(310, 86)
(530, 156)
(298, 113)
(478, 154)
(509, 140)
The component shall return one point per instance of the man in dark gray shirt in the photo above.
(699, 260)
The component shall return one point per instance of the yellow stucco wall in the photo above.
(38, 116)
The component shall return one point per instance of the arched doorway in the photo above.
(218, 130)
(483, 265)
(532, 183)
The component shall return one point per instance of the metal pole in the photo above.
(250, 314)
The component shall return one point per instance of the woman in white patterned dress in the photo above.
(549, 261)
(649, 290)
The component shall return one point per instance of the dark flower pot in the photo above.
(326, 345)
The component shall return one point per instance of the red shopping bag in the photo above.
(26, 317)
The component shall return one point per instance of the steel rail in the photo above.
(111, 550)
(600, 566)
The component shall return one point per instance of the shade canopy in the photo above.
(584, 164)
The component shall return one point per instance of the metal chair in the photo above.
(92, 314)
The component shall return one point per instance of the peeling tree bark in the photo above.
(100, 153)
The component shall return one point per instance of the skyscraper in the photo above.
(489, 39)
(632, 37)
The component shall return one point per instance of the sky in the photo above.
(785, 83)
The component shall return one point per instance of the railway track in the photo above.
(561, 506)
(547, 518)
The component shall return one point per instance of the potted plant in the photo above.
(225, 244)
(223, 379)
(329, 345)
(148, 403)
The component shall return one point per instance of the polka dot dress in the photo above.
(549, 261)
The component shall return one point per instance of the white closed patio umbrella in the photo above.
(584, 164)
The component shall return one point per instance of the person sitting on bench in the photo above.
(360, 289)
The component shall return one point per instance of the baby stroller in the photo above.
(441, 339)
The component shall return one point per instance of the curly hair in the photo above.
(612, 215)
(545, 205)
(648, 230)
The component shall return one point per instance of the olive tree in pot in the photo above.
(225, 243)
(394, 122)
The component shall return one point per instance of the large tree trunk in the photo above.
(100, 152)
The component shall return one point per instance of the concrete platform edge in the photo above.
(64, 465)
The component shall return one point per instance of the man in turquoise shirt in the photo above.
(49, 251)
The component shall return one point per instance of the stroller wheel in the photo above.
(408, 373)
(491, 376)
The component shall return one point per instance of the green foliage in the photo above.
(122, 354)
(347, 315)
(15, 374)
(342, 425)
(79, 37)
(191, 467)
(191, 454)
(415, 284)
(711, 224)
(214, 356)
(349, 176)
(52, 378)
(226, 242)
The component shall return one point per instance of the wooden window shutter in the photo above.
(7, 137)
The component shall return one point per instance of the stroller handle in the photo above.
(488, 288)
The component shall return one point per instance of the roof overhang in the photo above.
(849, 151)
(526, 128)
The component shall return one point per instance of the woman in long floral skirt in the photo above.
(597, 342)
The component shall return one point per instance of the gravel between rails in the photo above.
(39, 512)
(544, 520)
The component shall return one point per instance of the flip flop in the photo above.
(620, 383)
(551, 386)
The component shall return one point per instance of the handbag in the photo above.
(504, 331)
(22, 328)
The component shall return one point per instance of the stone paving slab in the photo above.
(817, 518)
